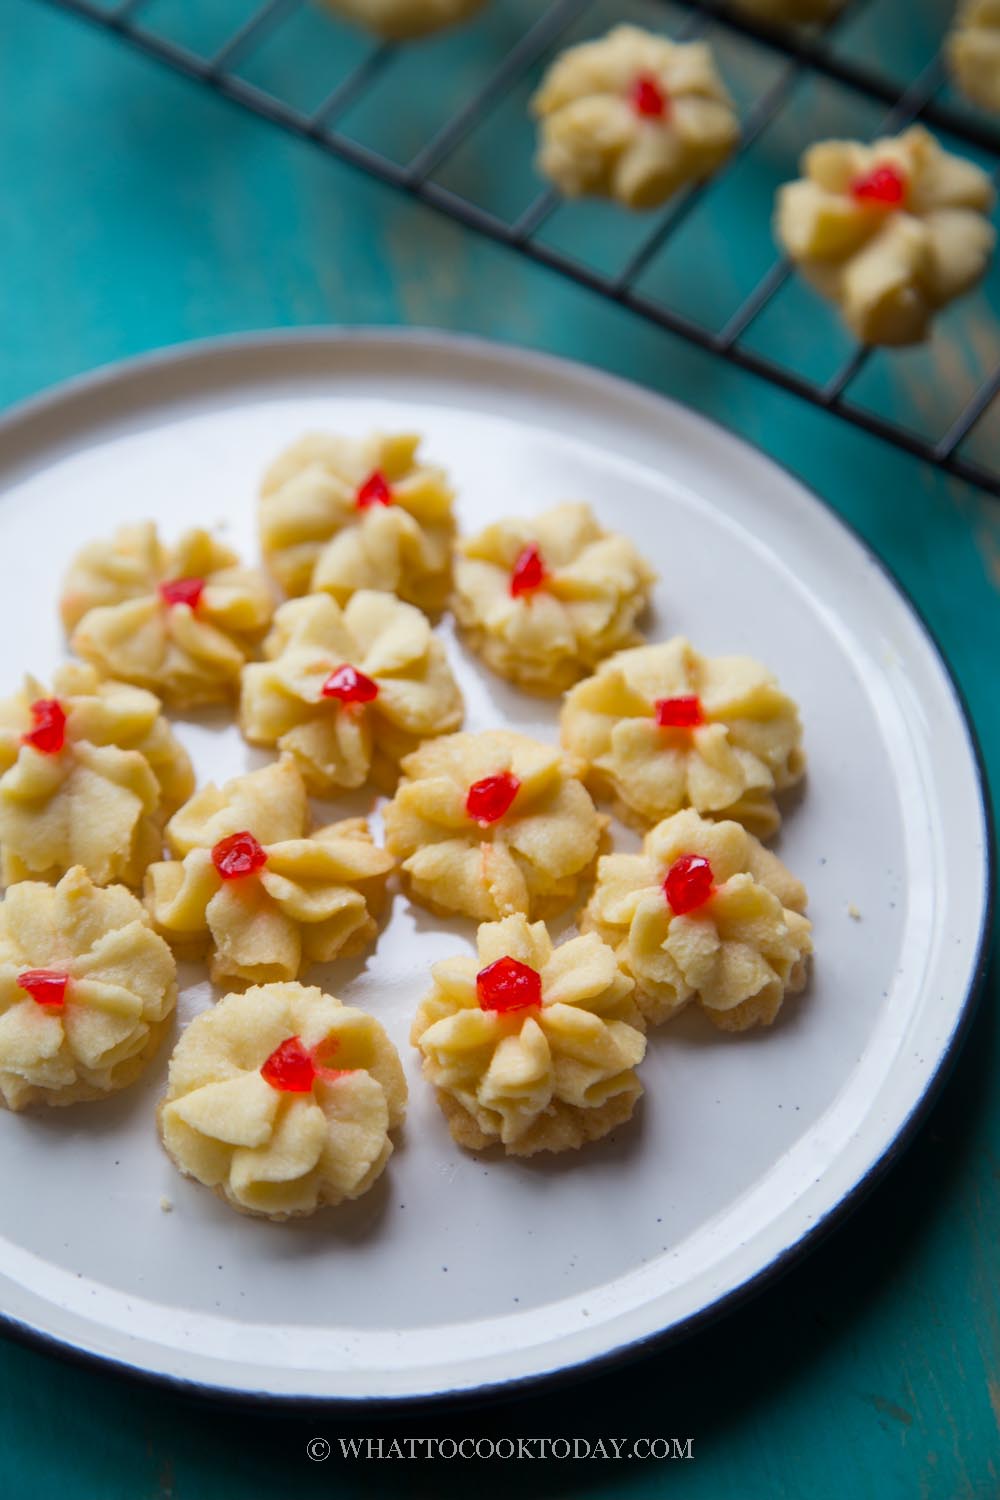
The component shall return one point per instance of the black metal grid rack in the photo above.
(802, 54)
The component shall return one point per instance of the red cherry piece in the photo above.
(348, 685)
(238, 855)
(290, 1068)
(322, 1056)
(489, 799)
(45, 986)
(49, 732)
(183, 591)
(689, 883)
(508, 985)
(648, 97)
(679, 713)
(376, 490)
(884, 186)
(529, 572)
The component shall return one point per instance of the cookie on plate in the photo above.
(490, 824)
(89, 771)
(543, 600)
(528, 1045)
(180, 621)
(338, 514)
(401, 19)
(86, 991)
(633, 117)
(257, 892)
(704, 914)
(663, 727)
(348, 693)
(889, 232)
(282, 1099)
(973, 51)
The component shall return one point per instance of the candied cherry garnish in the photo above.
(679, 713)
(238, 855)
(884, 186)
(529, 572)
(49, 732)
(376, 490)
(348, 685)
(648, 97)
(183, 591)
(290, 1067)
(507, 985)
(689, 883)
(45, 986)
(489, 799)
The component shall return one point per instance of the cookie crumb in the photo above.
(853, 913)
(166, 1205)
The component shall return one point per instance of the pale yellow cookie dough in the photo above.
(633, 117)
(180, 621)
(86, 991)
(746, 746)
(593, 587)
(889, 232)
(543, 1076)
(458, 853)
(349, 692)
(736, 954)
(973, 51)
(101, 799)
(290, 897)
(282, 1099)
(790, 10)
(401, 19)
(322, 527)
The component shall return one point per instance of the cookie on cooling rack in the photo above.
(401, 19)
(973, 51)
(793, 11)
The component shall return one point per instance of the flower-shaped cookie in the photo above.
(662, 728)
(251, 886)
(705, 913)
(401, 19)
(633, 117)
(528, 1045)
(544, 600)
(86, 991)
(180, 621)
(974, 51)
(349, 692)
(282, 1100)
(889, 232)
(491, 824)
(88, 775)
(340, 514)
(790, 10)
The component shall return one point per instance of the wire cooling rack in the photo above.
(789, 60)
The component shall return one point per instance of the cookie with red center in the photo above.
(255, 1110)
(543, 600)
(704, 915)
(531, 1046)
(86, 991)
(492, 823)
(634, 117)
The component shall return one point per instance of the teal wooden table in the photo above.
(136, 211)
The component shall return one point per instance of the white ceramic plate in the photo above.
(458, 1273)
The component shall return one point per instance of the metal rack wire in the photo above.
(801, 54)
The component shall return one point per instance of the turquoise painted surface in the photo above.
(134, 212)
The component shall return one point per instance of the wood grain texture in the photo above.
(134, 212)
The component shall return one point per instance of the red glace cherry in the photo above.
(648, 98)
(183, 591)
(376, 490)
(348, 685)
(49, 732)
(529, 571)
(290, 1067)
(883, 186)
(689, 883)
(489, 799)
(238, 855)
(679, 713)
(45, 986)
(508, 985)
